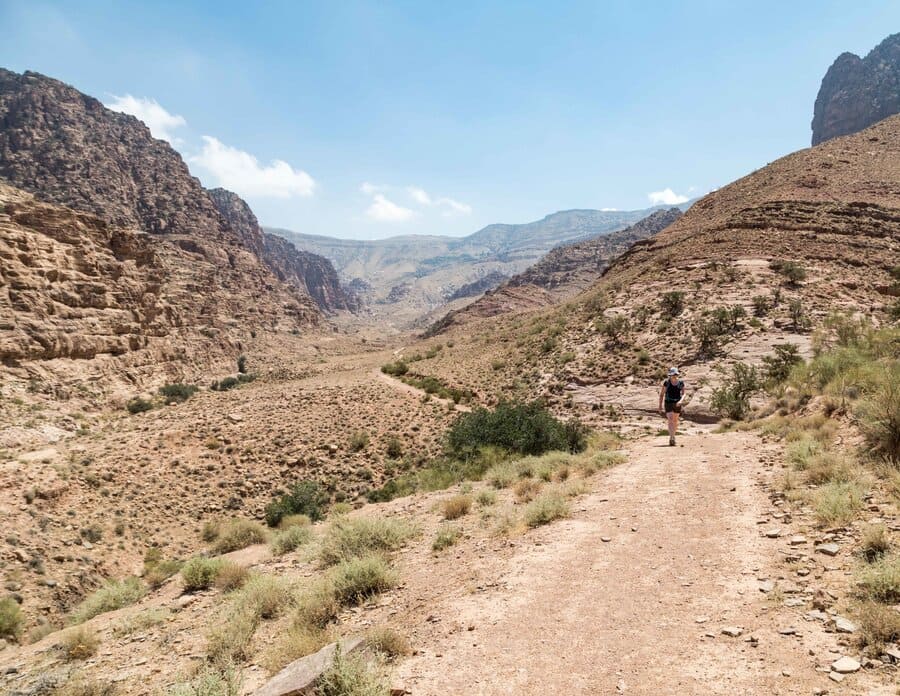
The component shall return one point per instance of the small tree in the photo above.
(793, 272)
(672, 303)
(615, 328)
(780, 364)
(761, 305)
(305, 498)
(798, 315)
(732, 398)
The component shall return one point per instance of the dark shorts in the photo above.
(673, 406)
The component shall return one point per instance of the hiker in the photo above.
(672, 393)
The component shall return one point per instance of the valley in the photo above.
(241, 460)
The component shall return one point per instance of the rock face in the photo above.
(858, 92)
(562, 273)
(133, 257)
(491, 280)
(312, 273)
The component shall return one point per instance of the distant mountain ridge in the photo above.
(858, 92)
(407, 277)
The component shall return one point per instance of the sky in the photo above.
(365, 120)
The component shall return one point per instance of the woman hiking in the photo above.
(672, 393)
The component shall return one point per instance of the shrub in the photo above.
(158, 569)
(351, 676)
(615, 328)
(456, 507)
(792, 271)
(527, 490)
(82, 686)
(798, 314)
(290, 539)
(545, 508)
(79, 643)
(239, 534)
(880, 580)
(115, 594)
(837, 503)
(672, 303)
(779, 365)
(878, 625)
(359, 578)
(761, 305)
(264, 596)
(210, 530)
(231, 576)
(148, 618)
(316, 604)
(11, 618)
(446, 536)
(395, 369)
(210, 681)
(297, 520)
(139, 405)
(502, 475)
(486, 497)
(242, 364)
(732, 398)
(359, 440)
(225, 384)
(524, 428)
(297, 641)
(709, 335)
(177, 392)
(305, 498)
(875, 542)
(228, 642)
(348, 538)
(394, 448)
(388, 642)
(880, 413)
(200, 573)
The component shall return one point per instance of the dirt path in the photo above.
(643, 612)
(409, 389)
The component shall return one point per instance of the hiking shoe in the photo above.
(671, 441)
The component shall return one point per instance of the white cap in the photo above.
(673, 371)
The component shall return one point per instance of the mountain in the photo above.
(560, 274)
(197, 285)
(759, 262)
(857, 92)
(311, 273)
(405, 278)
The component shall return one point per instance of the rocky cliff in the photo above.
(313, 274)
(151, 258)
(857, 92)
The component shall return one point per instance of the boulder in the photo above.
(301, 675)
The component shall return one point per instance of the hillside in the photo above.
(857, 92)
(403, 279)
(562, 273)
(759, 262)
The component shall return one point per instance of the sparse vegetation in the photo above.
(547, 507)
(290, 539)
(231, 576)
(793, 272)
(361, 577)
(139, 405)
(359, 441)
(875, 542)
(209, 681)
(671, 304)
(878, 625)
(880, 580)
(388, 642)
(115, 594)
(836, 503)
(351, 676)
(781, 362)
(395, 369)
(732, 397)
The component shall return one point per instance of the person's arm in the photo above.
(662, 393)
(683, 395)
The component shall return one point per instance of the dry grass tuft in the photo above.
(79, 643)
(878, 625)
(456, 507)
(239, 534)
(546, 508)
(388, 642)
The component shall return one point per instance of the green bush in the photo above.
(242, 364)
(177, 392)
(880, 413)
(11, 619)
(524, 428)
(395, 369)
(139, 405)
(546, 508)
(732, 398)
(880, 580)
(792, 271)
(779, 365)
(761, 305)
(305, 498)
(394, 448)
(239, 534)
(115, 594)
(671, 304)
(359, 441)
(209, 681)
(351, 676)
(446, 536)
(200, 573)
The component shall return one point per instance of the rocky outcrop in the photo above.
(858, 92)
(310, 272)
(150, 257)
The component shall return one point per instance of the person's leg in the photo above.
(670, 416)
(675, 425)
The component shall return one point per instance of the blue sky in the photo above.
(370, 119)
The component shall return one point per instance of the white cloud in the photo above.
(608, 210)
(454, 207)
(370, 189)
(160, 122)
(242, 173)
(384, 210)
(419, 195)
(666, 197)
